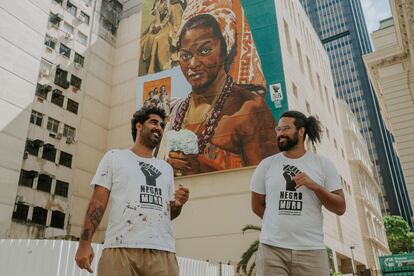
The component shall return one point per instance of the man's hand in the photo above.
(181, 196)
(183, 164)
(303, 179)
(84, 256)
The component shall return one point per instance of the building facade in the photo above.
(366, 190)
(342, 30)
(82, 100)
(390, 69)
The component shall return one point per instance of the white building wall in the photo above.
(19, 64)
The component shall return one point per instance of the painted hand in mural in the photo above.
(151, 173)
(302, 179)
(289, 173)
(183, 164)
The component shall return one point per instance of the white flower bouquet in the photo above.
(184, 141)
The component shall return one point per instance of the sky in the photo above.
(374, 11)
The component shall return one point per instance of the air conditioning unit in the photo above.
(68, 36)
(70, 140)
(44, 72)
(77, 65)
(19, 198)
(25, 154)
(59, 136)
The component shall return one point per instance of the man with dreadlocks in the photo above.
(288, 192)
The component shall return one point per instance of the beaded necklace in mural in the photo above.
(212, 120)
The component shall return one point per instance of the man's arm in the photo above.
(258, 204)
(333, 201)
(181, 197)
(94, 214)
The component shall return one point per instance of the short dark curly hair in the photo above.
(143, 114)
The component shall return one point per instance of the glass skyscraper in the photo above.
(341, 27)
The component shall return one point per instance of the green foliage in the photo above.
(246, 265)
(399, 235)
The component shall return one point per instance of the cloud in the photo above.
(374, 11)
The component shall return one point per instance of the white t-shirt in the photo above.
(141, 191)
(293, 218)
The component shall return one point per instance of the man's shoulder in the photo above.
(271, 159)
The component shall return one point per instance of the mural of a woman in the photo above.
(233, 124)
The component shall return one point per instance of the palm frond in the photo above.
(251, 227)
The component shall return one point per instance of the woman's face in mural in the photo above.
(201, 57)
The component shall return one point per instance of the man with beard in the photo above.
(139, 238)
(288, 191)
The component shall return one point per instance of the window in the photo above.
(50, 42)
(85, 18)
(299, 49)
(69, 131)
(67, 29)
(309, 71)
(82, 39)
(32, 147)
(61, 78)
(57, 97)
(71, 8)
(294, 90)
(52, 125)
(308, 109)
(36, 118)
(42, 90)
(64, 50)
(58, 220)
(287, 37)
(45, 68)
(75, 81)
(55, 19)
(335, 144)
(20, 211)
(27, 177)
(79, 59)
(65, 159)
(327, 133)
(44, 183)
(39, 215)
(61, 188)
(87, 2)
(49, 152)
(72, 106)
(60, 2)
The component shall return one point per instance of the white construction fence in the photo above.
(57, 258)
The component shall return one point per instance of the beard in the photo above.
(289, 143)
(148, 138)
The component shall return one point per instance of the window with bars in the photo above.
(57, 98)
(72, 106)
(52, 125)
(81, 38)
(79, 59)
(64, 50)
(75, 81)
(61, 188)
(32, 147)
(71, 8)
(55, 19)
(36, 118)
(50, 42)
(61, 78)
(69, 131)
(85, 18)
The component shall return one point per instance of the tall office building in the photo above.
(342, 30)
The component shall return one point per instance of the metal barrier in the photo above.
(57, 258)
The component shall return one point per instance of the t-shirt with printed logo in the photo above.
(293, 218)
(141, 191)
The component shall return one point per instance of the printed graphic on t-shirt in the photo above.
(290, 201)
(150, 194)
